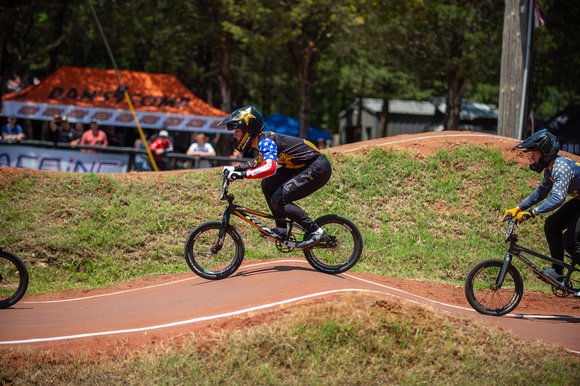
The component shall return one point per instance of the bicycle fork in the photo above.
(507, 260)
(222, 235)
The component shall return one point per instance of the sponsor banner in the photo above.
(28, 157)
(113, 117)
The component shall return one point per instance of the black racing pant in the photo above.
(566, 218)
(289, 185)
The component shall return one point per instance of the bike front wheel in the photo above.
(342, 251)
(206, 258)
(13, 279)
(487, 300)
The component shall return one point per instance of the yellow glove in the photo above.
(511, 213)
(526, 215)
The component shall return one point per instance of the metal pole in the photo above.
(124, 88)
(526, 65)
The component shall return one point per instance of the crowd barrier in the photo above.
(51, 156)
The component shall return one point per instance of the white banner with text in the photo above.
(28, 157)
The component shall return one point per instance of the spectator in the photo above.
(94, 137)
(235, 155)
(60, 131)
(12, 130)
(159, 147)
(79, 129)
(77, 133)
(200, 149)
(141, 160)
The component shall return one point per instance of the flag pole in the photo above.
(526, 65)
(124, 88)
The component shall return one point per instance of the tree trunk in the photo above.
(384, 120)
(456, 87)
(512, 67)
(304, 114)
(226, 73)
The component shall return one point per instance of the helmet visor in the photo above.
(233, 125)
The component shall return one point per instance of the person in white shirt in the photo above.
(201, 149)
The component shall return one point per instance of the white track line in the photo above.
(141, 288)
(211, 317)
(464, 308)
(110, 294)
(189, 321)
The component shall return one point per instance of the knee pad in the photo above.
(276, 201)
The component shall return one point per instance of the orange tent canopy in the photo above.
(85, 94)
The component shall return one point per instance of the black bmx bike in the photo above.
(495, 287)
(13, 278)
(215, 249)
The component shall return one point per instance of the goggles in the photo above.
(233, 125)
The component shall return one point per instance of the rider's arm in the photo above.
(561, 177)
(265, 165)
(539, 194)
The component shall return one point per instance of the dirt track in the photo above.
(141, 312)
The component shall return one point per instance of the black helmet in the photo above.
(544, 142)
(249, 120)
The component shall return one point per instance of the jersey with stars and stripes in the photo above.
(279, 150)
(562, 178)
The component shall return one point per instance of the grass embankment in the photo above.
(426, 218)
(430, 218)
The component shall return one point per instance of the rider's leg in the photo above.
(269, 187)
(554, 226)
(299, 184)
(571, 237)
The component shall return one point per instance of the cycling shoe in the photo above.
(554, 275)
(313, 239)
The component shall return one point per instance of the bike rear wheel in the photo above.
(13, 279)
(342, 251)
(480, 292)
(206, 259)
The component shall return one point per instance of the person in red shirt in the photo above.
(159, 147)
(94, 137)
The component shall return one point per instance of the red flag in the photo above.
(538, 19)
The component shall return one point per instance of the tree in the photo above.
(447, 42)
(299, 30)
(29, 32)
(556, 57)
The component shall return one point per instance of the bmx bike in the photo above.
(13, 278)
(495, 287)
(215, 249)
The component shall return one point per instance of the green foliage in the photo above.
(393, 49)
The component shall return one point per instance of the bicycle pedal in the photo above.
(269, 238)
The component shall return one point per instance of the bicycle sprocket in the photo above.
(283, 248)
(562, 294)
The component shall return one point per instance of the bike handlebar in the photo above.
(512, 222)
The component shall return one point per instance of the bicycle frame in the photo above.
(245, 214)
(516, 250)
